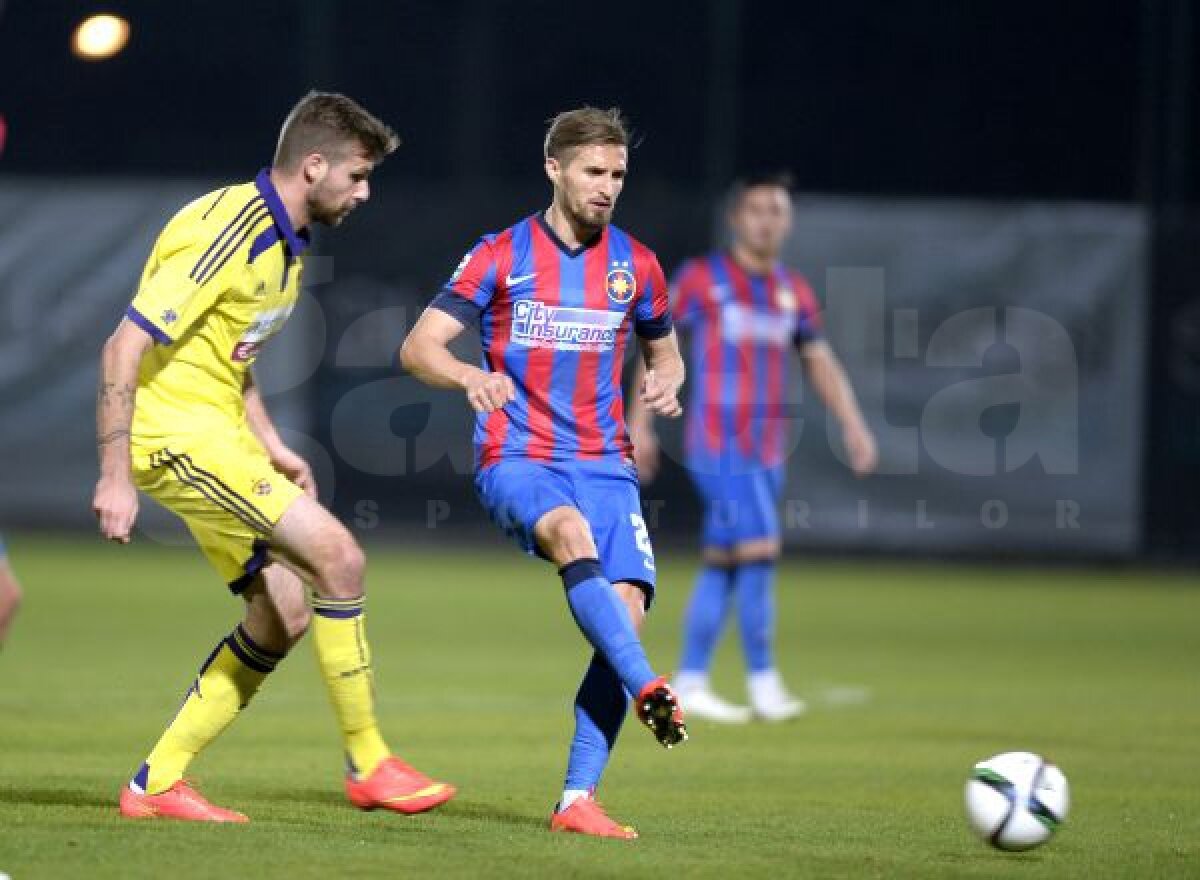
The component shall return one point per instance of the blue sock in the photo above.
(705, 617)
(753, 586)
(599, 710)
(605, 622)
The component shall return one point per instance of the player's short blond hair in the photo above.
(329, 123)
(585, 127)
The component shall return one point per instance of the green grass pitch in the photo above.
(914, 672)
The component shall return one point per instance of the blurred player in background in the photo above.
(10, 593)
(745, 310)
(179, 417)
(556, 298)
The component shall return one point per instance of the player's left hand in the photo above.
(660, 396)
(295, 469)
(860, 446)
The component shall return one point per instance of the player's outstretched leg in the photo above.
(702, 625)
(276, 617)
(754, 588)
(606, 624)
(327, 555)
(602, 617)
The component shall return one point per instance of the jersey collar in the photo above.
(560, 244)
(297, 242)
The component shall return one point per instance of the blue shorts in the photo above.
(739, 507)
(518, 493)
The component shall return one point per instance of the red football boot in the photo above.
(180, 801)
(396, 786)
(586, 816)
(658, 708)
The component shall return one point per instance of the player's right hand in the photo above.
(116, 507)
(488, 392)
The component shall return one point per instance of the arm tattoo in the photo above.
(112, 394)
(105, 439)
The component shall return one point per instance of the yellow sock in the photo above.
(339, 634)
(226, 682)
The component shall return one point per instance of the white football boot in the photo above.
(698, 701)
(770, 700)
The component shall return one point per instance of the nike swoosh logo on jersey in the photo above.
(509, 281)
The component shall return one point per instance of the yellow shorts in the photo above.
(226, 492)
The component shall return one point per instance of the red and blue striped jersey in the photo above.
(557, 320)
(742, 326)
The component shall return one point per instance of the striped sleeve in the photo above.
(472, 286)
(809, 326)
(197, 258)
(652, 315)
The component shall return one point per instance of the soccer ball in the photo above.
(1016, 800)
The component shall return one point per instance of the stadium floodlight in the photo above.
(99, 37)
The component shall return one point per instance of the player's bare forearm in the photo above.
(115, 500)
(829, 380)
(425, 354)
(115, 396)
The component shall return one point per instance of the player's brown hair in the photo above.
(585, 127)
(326, 122)
(783, 180)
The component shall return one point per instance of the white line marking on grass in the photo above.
(841, 696)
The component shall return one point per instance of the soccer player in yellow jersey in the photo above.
(179, 417)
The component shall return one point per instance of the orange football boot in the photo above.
(586, 816)
(180, 801)
(658, 708)
(396, 786)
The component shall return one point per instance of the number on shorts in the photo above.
(642, 536)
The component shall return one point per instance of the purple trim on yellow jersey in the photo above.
(216, 202)
(221, 242)
(233, 243)
(297, 242)
(142, 321)
(265, 241)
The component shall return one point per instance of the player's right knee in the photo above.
(344, 569)
(570, 538)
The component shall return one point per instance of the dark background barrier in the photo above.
(1062, 135)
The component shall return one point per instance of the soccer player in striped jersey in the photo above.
(180, 418)
(744, 311)
(556, 298)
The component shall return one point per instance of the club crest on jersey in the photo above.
(170, 316)
(620, 283)
(262, 487)
(537, 325)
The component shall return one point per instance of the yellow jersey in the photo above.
(222, 279)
